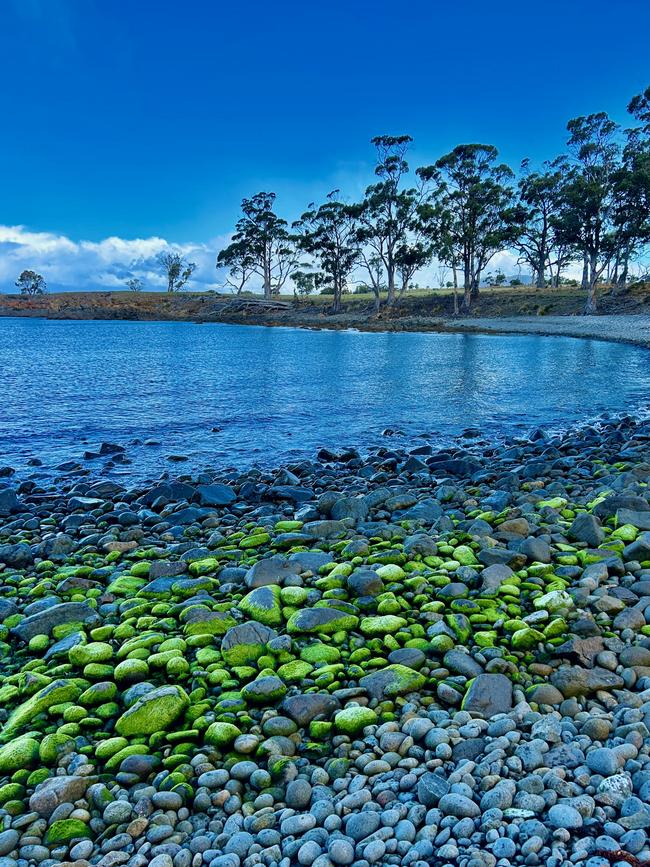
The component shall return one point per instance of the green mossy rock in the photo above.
(383, 625)
(156, 711)
(266, 689)
(131, 671)
(525, 639)
(64, 830)
(55, 745)
(21, 753)
(221, 734)
(320, 654)
(322, 620)
(84, 654)
(353, 719)
(54, 693)
(263, 605)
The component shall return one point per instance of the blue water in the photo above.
(279, 393)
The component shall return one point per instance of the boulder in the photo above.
(488, 695)
(574, 681)
(43, 622)
(154, 712)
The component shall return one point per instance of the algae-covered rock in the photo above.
(392, 681)
(154, 712)
(56, 692)
(245, 643)
(266, 689)
(65, 830)
(382, 625)
(19, 753)
(325, 621)
(263, 605)
(221, 734)
(353, 719)
(526, 638)
(97, 651)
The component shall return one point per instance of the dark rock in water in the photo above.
(64, 612)
(9, 502)
(110, 449)
(305, 708)
(586, 528)
(18, 556)
(575, 681)
(215, 495)
(488, 695)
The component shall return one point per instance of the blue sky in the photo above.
(148, 120)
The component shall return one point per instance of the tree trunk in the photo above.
(390, 277)
(585, 271)
(541, 268)
(267, 280)
(467, 284)
(592, 302)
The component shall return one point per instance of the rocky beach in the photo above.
(417, 658)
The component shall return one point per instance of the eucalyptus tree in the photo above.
(632, 190)
(586, 217)
(134, 284)
(176, 270)
(473, 213)
(390, 225)
(31, 283)
(261, 245)
(329, 233)
(539, 195)
(240, 263)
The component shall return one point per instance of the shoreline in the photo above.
(616, 328)
(311, 659)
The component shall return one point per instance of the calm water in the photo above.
(280, 393)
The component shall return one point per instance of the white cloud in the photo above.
(105, 264)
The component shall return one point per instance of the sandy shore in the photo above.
(625, 329)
